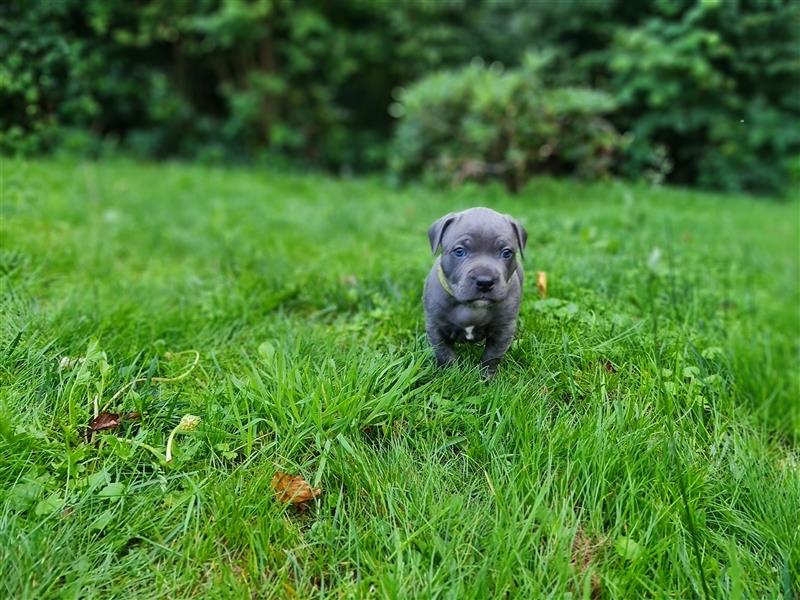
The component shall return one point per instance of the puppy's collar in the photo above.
(443, 281)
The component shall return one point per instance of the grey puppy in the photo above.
(474, 289)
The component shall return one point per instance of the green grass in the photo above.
(652, 398)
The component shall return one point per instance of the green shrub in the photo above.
(239, 77)
(707, 92)
(37, 92)
(481, 122)
(717, 85)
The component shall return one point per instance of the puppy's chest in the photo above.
(466, 324)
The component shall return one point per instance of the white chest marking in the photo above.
(470, 332)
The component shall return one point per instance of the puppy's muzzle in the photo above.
(484, 283)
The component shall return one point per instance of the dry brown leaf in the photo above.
(107, 420)
(293, 489)
(541, 283)
(610, 367)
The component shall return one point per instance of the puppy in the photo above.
(474, 289)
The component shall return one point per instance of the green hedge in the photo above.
(482, 122)
(715, 89)
(220, 77)
(704, 92)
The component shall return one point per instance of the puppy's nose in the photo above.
(484, 283)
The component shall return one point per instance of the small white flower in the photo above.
(188, 424)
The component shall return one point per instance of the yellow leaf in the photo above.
(541, 283)
(293, 489)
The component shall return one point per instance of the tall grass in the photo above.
(640, 438)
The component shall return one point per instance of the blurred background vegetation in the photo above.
(692, 93)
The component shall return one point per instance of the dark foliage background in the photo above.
(702, 93)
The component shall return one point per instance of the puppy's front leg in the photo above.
(496, 346)
(442, 347)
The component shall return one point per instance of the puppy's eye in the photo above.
(459, 252)
(507, 253)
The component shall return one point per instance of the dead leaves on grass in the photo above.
(107, 420)
(104, 420)
(609, 366)
(584, 551)
(293, 489)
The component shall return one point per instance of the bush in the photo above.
(35, 94)
(717, 86)
(707, 91)
(482, 122)
(308, 79)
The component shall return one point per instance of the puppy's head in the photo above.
(479, 253)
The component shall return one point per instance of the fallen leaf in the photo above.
(293, 489)
(541, 283)
(107, 420)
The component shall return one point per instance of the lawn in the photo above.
(640, 439)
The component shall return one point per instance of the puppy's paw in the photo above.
(489, 369)
(445, 359)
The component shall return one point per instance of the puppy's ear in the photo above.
(436, 231)
(522, 235)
